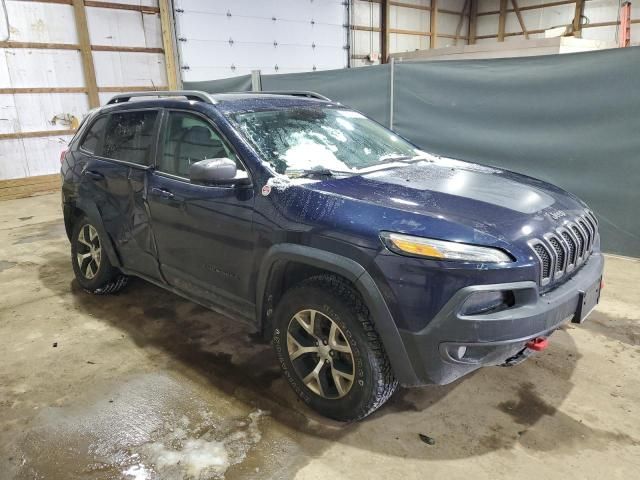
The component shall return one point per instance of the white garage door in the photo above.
(226, 38)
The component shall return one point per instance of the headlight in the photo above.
(442, 250)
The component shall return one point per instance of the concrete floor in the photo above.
(147, 385)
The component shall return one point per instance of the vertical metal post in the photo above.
(392, 64)
(256, 82)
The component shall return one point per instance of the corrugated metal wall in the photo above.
(43, 89)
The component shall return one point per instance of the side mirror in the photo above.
(217, 171)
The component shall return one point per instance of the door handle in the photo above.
(161, 192)
(94, 175)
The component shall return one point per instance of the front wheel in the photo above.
(91, 265)
(329, 351)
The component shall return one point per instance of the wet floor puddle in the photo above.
(150, 427)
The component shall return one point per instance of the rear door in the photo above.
(204, 234)
(119, 148)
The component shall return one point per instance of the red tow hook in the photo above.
(538, 344)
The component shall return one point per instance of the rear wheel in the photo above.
(329, 351)
(91, 264)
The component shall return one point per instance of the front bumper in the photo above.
(493, 338)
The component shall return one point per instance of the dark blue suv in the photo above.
(366, 261)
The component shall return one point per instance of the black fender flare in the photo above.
(364, 284)
(90, 209)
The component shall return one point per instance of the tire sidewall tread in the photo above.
(374, 382)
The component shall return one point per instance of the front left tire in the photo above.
(329, 350)
(91, 264)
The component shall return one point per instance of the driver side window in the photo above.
(189, 139)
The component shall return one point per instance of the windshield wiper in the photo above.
(318, 172)
(394, 158)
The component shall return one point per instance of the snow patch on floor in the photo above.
(178, 456)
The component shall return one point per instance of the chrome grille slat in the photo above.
(580, 236)
(590, 232)
(566, 248)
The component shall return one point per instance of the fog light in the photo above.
(488, 302)
(459, 352)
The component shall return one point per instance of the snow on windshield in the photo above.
(301, 139)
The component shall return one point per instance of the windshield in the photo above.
(302, 139)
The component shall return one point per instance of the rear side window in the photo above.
(91, 141)
(129, 136)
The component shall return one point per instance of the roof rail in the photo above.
(189, 94)
(296, 93)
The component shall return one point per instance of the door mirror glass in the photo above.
(217, 171)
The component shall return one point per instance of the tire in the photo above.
(326, 387)
(91, 264)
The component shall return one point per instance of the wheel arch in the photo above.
(89, 209)
(277, 265)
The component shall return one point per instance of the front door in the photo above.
(204, 234)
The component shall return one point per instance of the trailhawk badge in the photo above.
(266, 190)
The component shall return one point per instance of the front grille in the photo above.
(565, 249)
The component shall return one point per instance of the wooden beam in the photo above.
(28, 90)
(168, 45)
(364, 28)
(142, 88)
(410, 5)
(502, 20)
(110, 48)
(417, 33)
(37, 45)
(85, 50)
(577, 18)
(473, 21)
(421, 7)
(38, 134)
(384, 26)
(119, 88)
(112, 5)
(26, 187)
(460, 22)
(520, 19)
(433, 42)
(530, 7)
(73, 46)
(122, 6)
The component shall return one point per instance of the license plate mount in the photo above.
(587, 301)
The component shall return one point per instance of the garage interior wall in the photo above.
(62, 58)
(412, 25)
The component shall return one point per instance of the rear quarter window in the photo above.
(92, 139)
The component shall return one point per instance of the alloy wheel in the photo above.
(320, 354)
(89, 251)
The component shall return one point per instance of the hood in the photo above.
(463, 201)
